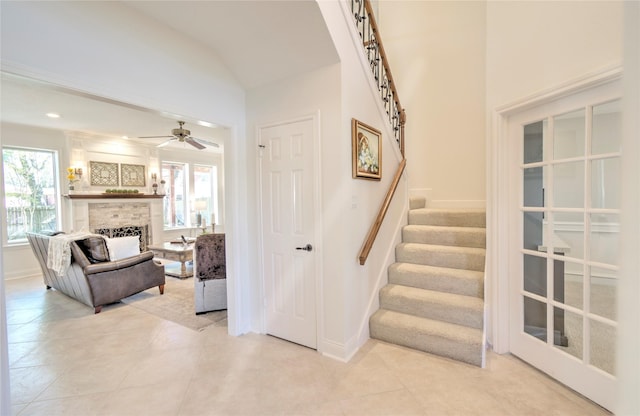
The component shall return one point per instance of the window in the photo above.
(192, 194)
(30, 191)
(205, 180)
(174, 175)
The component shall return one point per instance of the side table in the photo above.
(177, 252)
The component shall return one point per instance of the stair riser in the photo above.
(454, 260)
(433, 281)
(453, 314)
(450, 219)
(468, 353)
(417, 202)
(443, 238)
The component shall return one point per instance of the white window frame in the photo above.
(56, 192)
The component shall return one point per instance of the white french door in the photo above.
(288, 237)
(565, 219)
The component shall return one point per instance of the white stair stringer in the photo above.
(434, 299)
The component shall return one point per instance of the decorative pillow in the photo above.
(123, 247)
(95, 248)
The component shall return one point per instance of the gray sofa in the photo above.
(94, 280)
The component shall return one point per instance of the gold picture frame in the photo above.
(366, 149)
(132, 175)
(103, 173)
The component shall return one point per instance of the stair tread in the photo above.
(469, 217)
(444, 248)
(467, 258)
(443, 271)
(453, 210)
(446, 228)
(434, 296)
(432, 304)
(444, 279)
(459, 333)
(445, 235)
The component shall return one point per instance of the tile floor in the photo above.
(67, 361)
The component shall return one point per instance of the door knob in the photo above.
(308, 247)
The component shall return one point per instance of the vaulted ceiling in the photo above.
(259, 41)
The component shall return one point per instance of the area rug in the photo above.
(176, 305)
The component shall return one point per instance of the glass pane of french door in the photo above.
(569, 216)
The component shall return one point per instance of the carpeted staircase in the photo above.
(434, 301)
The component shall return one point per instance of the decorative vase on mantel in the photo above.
(72, 188)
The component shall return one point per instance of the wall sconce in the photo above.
(154, 178)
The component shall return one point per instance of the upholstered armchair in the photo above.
(209, 273)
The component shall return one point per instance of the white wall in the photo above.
(533, 45)
(436, 51)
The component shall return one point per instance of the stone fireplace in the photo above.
(119, 216)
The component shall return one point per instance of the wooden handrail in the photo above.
(375, 227)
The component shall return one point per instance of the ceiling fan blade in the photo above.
(153, 137)
(205, 142)
(194, 143)
(163, 144)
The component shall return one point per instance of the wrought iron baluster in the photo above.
(365, 24)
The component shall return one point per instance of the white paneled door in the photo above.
(565, 222)
(287, 210)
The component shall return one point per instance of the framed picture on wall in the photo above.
(132, 175)
(366, 144)
(103, 173)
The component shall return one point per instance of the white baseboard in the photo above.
(23, 274)
(335, 350)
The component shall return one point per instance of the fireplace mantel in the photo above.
(113, 196)
(119, 209)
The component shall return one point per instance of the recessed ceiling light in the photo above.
(125, 137)
(53, 115)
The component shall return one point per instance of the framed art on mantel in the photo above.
(366, 144)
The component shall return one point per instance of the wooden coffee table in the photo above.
(178, 252)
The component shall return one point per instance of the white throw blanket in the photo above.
(59, 257)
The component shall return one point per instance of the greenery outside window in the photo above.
(30, 192)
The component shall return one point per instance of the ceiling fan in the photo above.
(183, 135)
